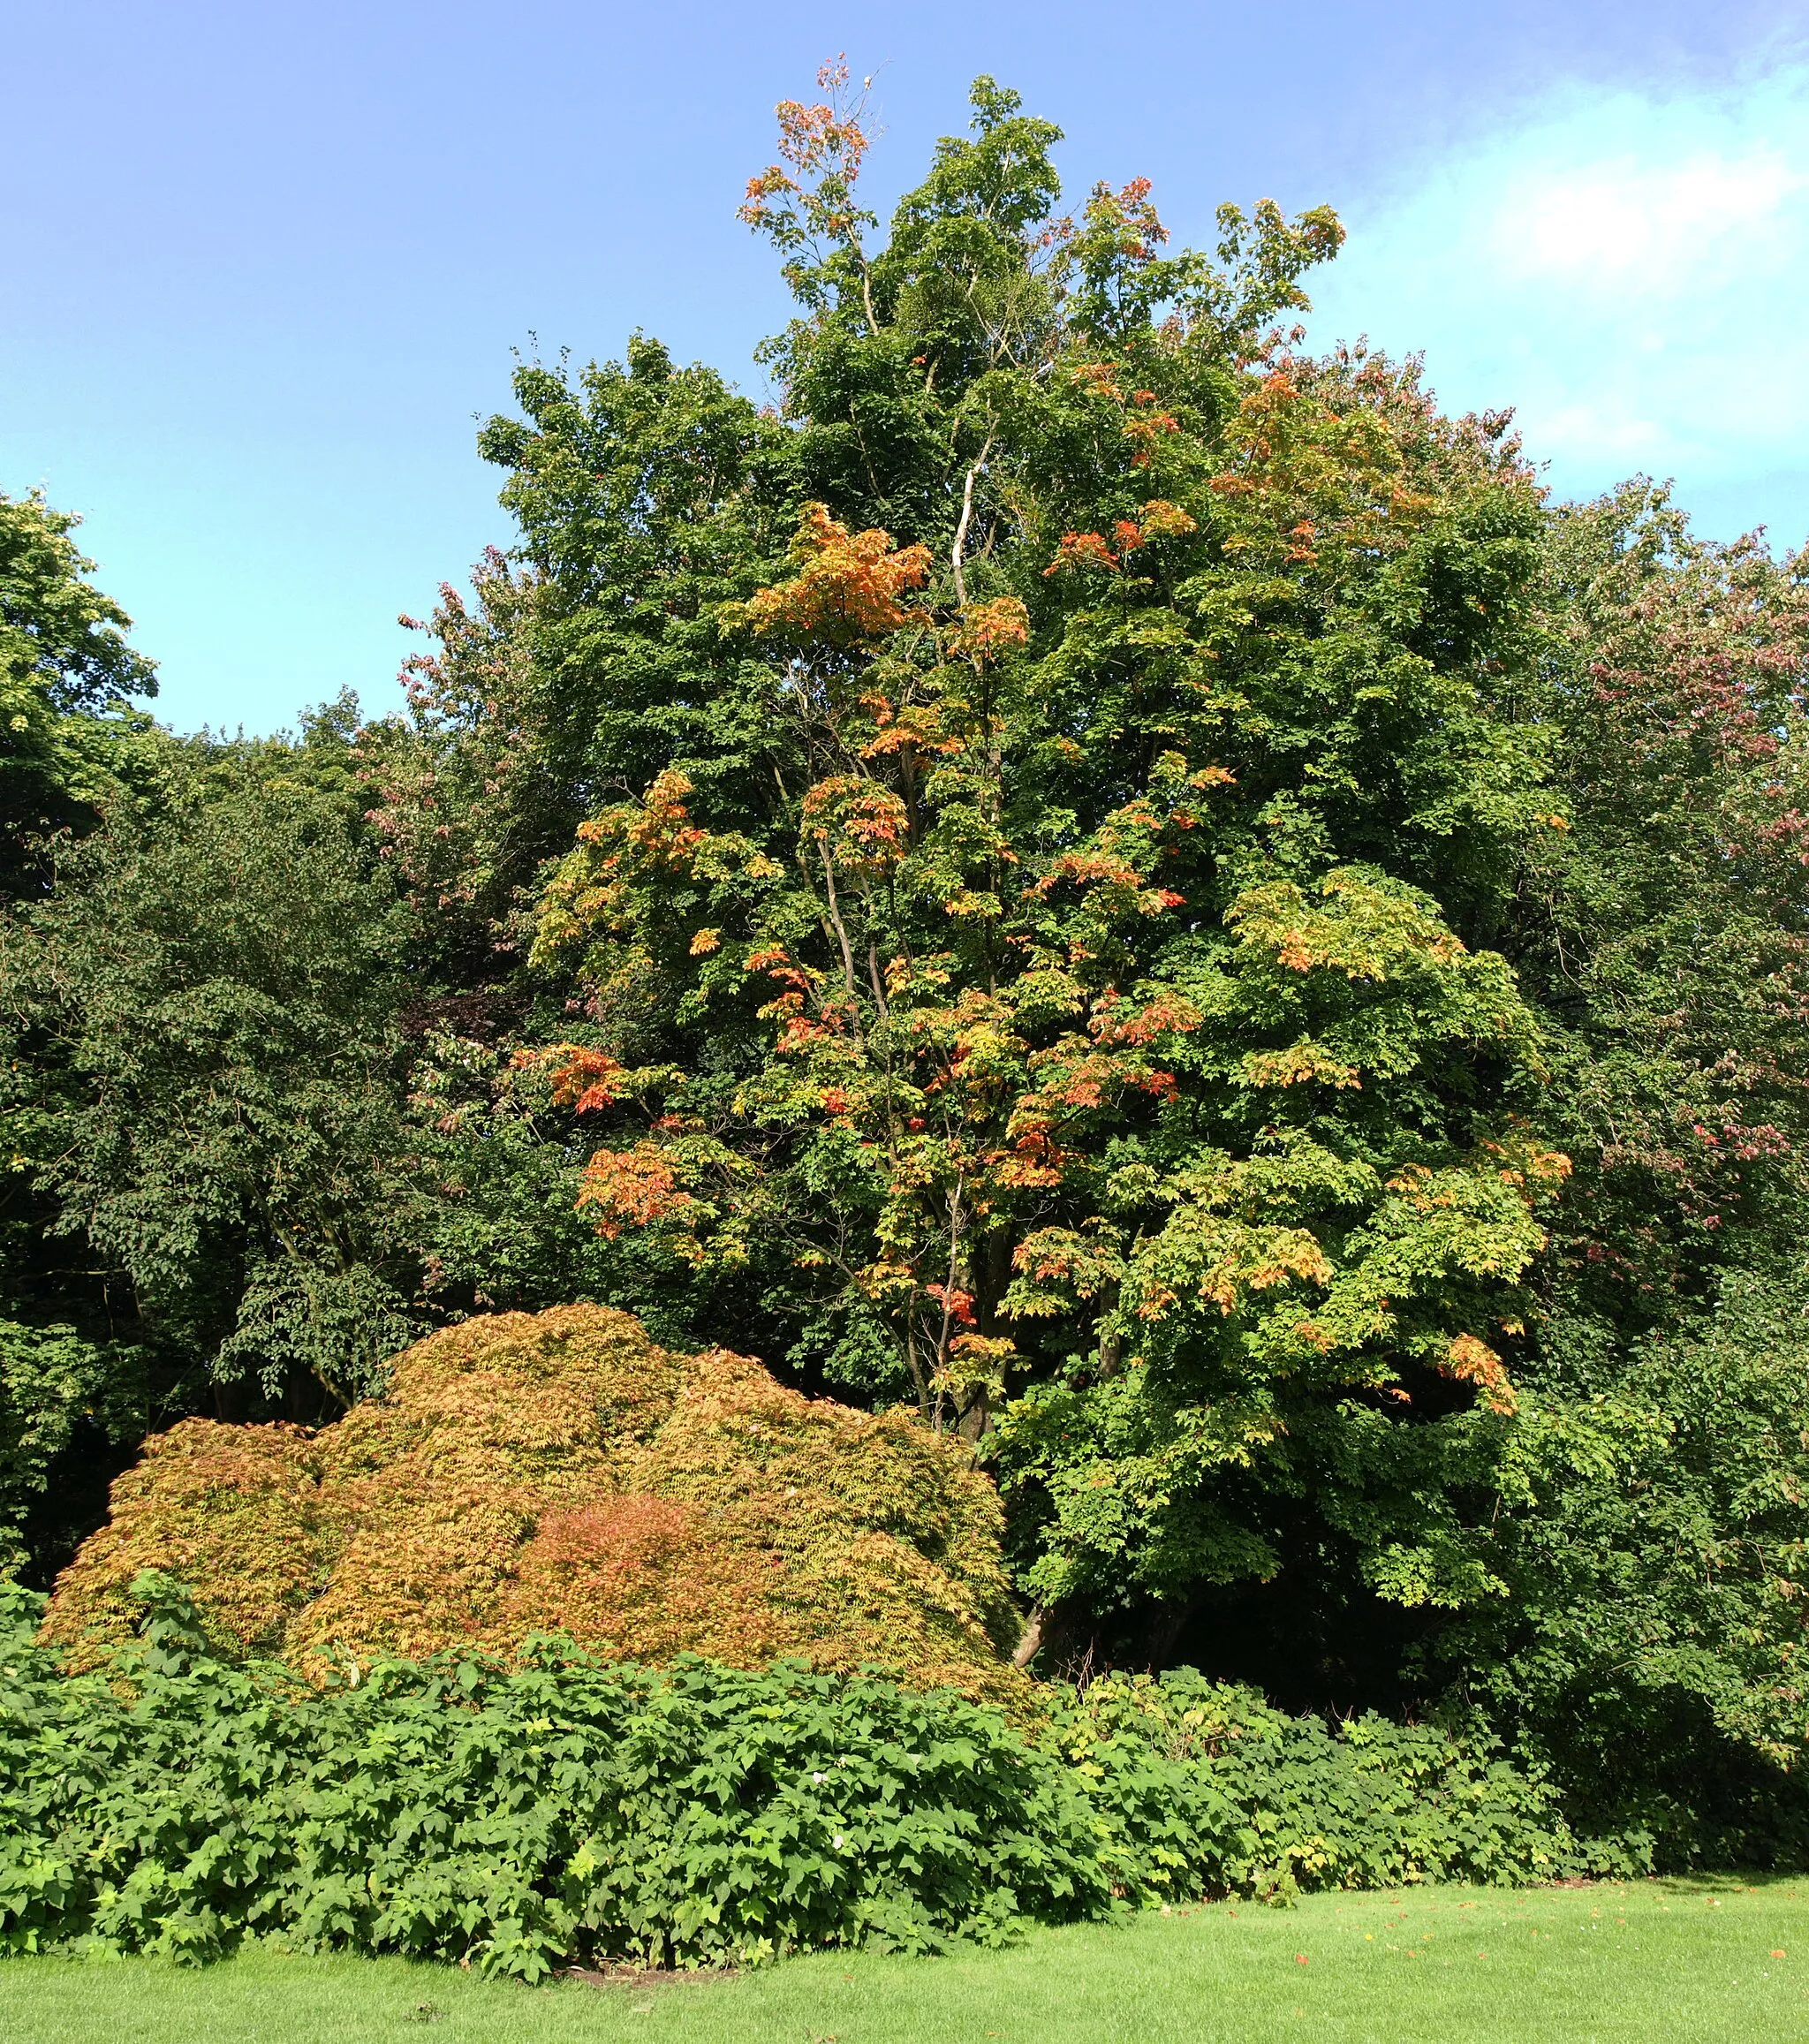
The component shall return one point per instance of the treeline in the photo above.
(1146, 894)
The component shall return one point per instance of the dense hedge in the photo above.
(518, 1815)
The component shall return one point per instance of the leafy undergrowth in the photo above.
(1646, 1962)
(516, 1817)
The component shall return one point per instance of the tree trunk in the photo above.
(1032, 1638)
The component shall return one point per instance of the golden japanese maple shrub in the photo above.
(560, 1472)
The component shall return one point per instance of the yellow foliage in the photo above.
(239, 1508)
(559, 1472)
(847, 588)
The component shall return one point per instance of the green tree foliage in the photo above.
(217, 989)
(51, 1380)
(203, 1101)
(1665, 924)
(465, 792)
(1653, 1541)
(70, 745)
(67, 676)
(1648, 1520)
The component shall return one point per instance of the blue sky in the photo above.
(265, 265)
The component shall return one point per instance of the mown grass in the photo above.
(1703, 1960)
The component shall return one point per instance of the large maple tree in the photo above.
(1061, 766)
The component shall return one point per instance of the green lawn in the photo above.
(1700, 1961)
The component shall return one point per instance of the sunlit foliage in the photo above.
(561, 1473)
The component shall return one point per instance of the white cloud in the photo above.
(1630, 272)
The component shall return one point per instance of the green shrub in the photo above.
(513, 1814)
(517, 1814)
(1203, 1787)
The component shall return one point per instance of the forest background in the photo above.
(1143, 892)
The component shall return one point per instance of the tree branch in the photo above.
(960, 546)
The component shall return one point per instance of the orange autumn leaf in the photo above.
(583, 1080)
(987, 629)
(859, 821)
(847, 588)
(1082, 550)
(632, 1188)
(1162, 520)
(1473, 1362)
